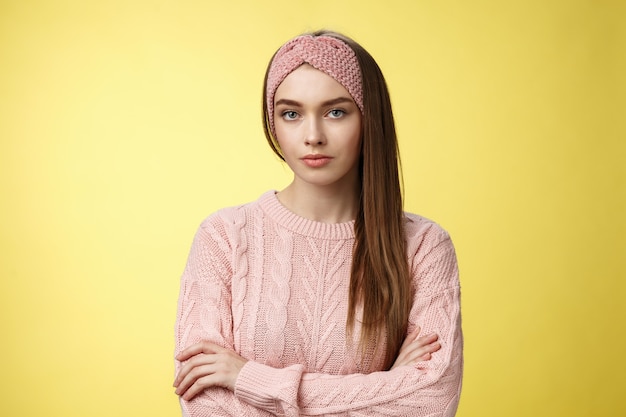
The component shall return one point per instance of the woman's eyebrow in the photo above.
(338, 100)
(288, 102)
(332, 102)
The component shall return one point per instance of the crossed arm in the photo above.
(207, 364)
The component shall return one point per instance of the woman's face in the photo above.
(318, 128)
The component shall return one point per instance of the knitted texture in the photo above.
(325, 53)
(273, 286)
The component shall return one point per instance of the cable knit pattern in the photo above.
(274, 287)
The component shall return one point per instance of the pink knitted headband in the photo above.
(325, 53)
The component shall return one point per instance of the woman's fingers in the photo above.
(192, 376)
(416, 349)
(422, 352)
(202, 347)
(411, 337)
(195, 361)
(200, 385)
(426, 340)
(205, 365)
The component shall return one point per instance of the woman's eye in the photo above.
(290, 115)
(336, 113)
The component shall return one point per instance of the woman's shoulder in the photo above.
(419, 226)
(431, 254)
(233, 216)
(423, 234)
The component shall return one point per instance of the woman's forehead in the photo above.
(306, 82)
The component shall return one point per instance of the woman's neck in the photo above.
(322, 204)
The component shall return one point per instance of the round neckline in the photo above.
(286, 218)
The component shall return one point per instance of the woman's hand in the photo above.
(416, 349)
(206, 365)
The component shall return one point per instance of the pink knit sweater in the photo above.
(273, 286)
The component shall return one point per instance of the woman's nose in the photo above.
(315, 133)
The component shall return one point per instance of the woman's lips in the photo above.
(316, 161)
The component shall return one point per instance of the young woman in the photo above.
(324, 298)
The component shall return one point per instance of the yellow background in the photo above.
(124, 123)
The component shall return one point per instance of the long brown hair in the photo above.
(380, 273)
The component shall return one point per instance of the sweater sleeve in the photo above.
(204, 314)
(431, 388)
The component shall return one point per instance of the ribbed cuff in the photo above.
(265, 387)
